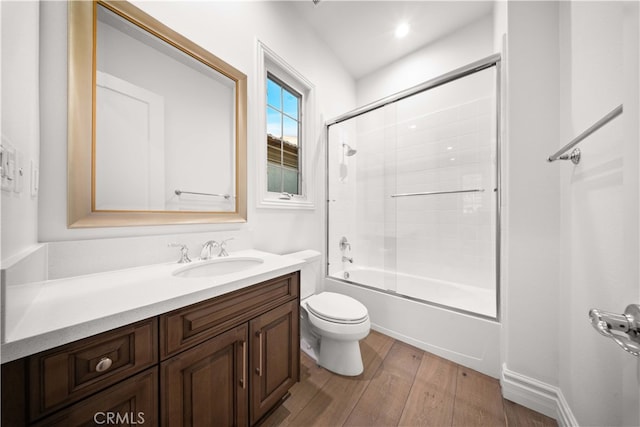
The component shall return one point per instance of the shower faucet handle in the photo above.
(344, 244)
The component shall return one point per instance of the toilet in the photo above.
(331, 324)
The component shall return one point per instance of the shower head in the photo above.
(349, 151)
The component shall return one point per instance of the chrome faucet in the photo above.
(347, 259)
(184, 252)
(208, 247)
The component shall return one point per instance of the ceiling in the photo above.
(361, 33)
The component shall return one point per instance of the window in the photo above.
(284, 139)
(285, 109)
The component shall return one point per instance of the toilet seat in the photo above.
(337, 308)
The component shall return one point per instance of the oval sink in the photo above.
(218, 267)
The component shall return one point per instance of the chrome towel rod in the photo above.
(226, 196)
(575, 154)
(431, 193)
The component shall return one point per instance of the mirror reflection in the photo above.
(164, 125)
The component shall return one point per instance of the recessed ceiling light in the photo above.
(402, 30)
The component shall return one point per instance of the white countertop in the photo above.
(48, 314)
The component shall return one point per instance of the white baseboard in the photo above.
(536, 395)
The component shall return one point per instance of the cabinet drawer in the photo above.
(68, 373)
(186, 327)
(131, 402)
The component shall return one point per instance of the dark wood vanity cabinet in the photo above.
(228, 360)
(93, 377)
(240, 374)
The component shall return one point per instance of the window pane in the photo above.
(274, 123)
(290, 131)
(274, 94)
(274, 178)
(283, 138)
(290, 104)
(290, 183)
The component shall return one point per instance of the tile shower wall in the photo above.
(375, 228)
(342, 212)
(444, 237)
(449, 237)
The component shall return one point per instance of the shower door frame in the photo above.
(494, 60)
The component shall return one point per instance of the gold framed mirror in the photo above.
(141, 154)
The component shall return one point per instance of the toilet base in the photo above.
(309, 349)
(340, 357)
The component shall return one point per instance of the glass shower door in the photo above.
(413, 194)
(446, 200)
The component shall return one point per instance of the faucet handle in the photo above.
(184, 252)
(222, 245)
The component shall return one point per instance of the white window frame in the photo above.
(269, 62)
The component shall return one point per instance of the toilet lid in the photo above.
(337, 308)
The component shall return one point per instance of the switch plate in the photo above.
(7, 166)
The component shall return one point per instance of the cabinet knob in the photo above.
(104, 364)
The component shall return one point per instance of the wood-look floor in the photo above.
(400, 386)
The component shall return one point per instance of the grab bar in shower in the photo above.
(179, 192)
(431, 193)
(575, 154)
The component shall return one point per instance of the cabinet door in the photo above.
(207, 385)
(275, 357)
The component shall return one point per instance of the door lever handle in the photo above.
(628, 323)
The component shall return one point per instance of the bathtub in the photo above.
(456, 296)
(455, 334)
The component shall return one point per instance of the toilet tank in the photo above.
(310, 271)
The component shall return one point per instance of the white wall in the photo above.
(20, 119)
(572, 231)
(229, 30)
(465, 45)
(531, 195)
(599, 50)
